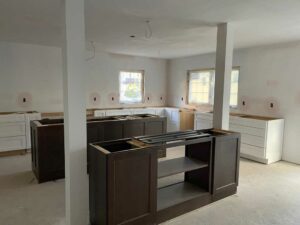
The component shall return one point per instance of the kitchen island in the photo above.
(125, 175)
(48, 159)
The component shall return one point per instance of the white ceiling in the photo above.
(180, 27)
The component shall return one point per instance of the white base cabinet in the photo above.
(28, 118)
(261, 137)
(15, 130)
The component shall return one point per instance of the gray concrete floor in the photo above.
(267, 195)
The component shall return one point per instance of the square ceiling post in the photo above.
(74, 93)
(223, 76)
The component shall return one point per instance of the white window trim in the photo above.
(211, 91)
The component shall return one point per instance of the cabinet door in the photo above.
(95, 132)
(154, 127)
(226, 156)
(133, 128)
(203, 124)
(113, 130)
(131, 187)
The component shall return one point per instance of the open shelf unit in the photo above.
(194, 184)
(178, 165)
(177, 193)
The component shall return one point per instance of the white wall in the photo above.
(267, 74)
(35, 72)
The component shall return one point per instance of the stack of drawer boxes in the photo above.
(15, 131)
(261, 137)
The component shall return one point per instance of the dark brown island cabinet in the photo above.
(47, 136)
(130, 186)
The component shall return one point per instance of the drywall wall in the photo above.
(34, 72)
(269, 74)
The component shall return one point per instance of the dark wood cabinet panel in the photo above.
(134, 182)
(226, 156)
(133, 128)
(48, 140)
(113, 130)
(124, 176)
(155, 127)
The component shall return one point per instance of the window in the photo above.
(200, 90)
(201, 87)
(131, 86)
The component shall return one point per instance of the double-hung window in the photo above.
(131, 86)
(201, 87)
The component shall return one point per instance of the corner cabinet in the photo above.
(261, 137)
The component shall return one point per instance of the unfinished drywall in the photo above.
(269, 76)
(34, 73)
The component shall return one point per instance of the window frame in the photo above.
(188, 87)
(142, 83)
(211, 91)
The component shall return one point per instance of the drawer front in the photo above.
(253, 140)
(99, 113)
(205, 116)
(12, 143)
(253, 150)
(248, 122)
(12, 118)
(260, 132)
(118, 112)
(203, 124)
(12, 129)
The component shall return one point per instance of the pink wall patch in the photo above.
(161, 98)
(244, 103)
(113, 98)
(148, 98)
(95, 99)
(272, 106)
(24, 100)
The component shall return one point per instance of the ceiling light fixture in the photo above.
(148, 31)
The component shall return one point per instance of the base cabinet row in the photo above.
(48, 161)
(261, 137)
(15, 130)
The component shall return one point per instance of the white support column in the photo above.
(73, 49)
(223, 76)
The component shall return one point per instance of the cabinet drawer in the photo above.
(248, 122)
(253, 150)
(99, 113)
(253, 140)
(12, 129)
(12, 118)
(12, 143)
(247, 130)
(203, 124)
(204, 116)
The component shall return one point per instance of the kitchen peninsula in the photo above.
(124, 176)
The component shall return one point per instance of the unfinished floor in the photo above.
(267, 195)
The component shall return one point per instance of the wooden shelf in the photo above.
(178, 165)
(178, 193)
